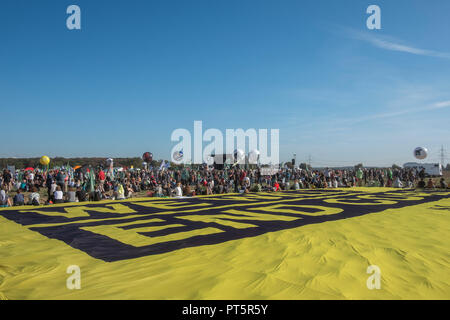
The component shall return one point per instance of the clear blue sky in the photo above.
(137, 70)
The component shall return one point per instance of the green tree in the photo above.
(305, 166)
(359, 165)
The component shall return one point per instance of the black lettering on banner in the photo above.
(122, 230)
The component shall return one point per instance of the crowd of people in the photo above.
(95, 184)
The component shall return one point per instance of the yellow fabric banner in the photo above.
(359, 243)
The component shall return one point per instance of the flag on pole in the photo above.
(91, 184)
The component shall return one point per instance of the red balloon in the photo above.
(147, 157)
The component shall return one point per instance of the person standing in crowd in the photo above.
(101, 179)
(167, 182)
(49, 181)
(60, 179)
(7, 180)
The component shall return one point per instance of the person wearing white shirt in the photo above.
(53, 188)
(34, 197)
(58, 195)
(178, 191)
(4, 199)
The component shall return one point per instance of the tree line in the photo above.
(136, 162)
(22, 163)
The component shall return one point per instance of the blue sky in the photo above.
(137, 70)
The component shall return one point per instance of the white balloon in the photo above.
(177, 156)
(253, 156)
(239, 155)
(209, 161)
(420, 153)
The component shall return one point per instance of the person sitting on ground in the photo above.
(442, 184)
(257, 187)
(276, 186)
(5, 201)
(105, 195)
(19, 200)
(129, 191)
(34, 198)
(72, 195)
(397, 183)
(120, 192)
(220, 187)
(81, 194)
(335, 183)
(97, 194)
(410, 184)
(287, 185)
(421, 184)
(159, 191)
(187, 190)
(58, 195)
(430, 184)
(178, 191)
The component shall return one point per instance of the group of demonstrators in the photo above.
(95, 184)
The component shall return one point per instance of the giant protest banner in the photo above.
(309, 244)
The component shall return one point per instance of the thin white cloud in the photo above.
(439, 105)
(389, 43)
(434, 106)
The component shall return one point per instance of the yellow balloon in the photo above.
(45, 160)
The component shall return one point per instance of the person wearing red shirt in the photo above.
(101, 178)
(276, 186)
(243, 175)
